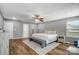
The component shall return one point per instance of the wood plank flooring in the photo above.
(17, 47)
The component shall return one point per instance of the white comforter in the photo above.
(47, 37)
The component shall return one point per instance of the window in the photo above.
(73, 29)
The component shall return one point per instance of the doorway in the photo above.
(25, 30)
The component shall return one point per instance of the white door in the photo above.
(8, 34)
(1, 36)
(25, 30)
(8, 27)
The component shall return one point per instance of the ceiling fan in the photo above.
(38, 18)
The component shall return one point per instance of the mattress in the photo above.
(47, 37)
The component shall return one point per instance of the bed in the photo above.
(44, 38)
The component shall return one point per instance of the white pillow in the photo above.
(50, 32)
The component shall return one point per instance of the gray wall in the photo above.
(17, 29)
(31, 28)
(59, 26)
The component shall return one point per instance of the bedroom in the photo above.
(39, 28)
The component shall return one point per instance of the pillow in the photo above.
(50, 32)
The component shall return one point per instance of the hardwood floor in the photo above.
(17, 47)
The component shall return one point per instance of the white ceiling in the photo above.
(50, 11)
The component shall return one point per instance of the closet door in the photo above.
(25, 30)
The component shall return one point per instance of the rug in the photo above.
(37, 47)
(73, 50)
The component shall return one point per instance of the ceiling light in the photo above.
(37, 21)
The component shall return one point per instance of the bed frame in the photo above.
(41, 42)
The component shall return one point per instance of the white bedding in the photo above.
(47, 37)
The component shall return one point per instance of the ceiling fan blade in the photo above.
(41, 19)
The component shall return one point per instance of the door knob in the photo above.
(2, 30)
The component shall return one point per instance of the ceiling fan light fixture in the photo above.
(41, 19)
(37, 21)
(38, 18)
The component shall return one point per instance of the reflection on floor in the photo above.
(17, 47)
